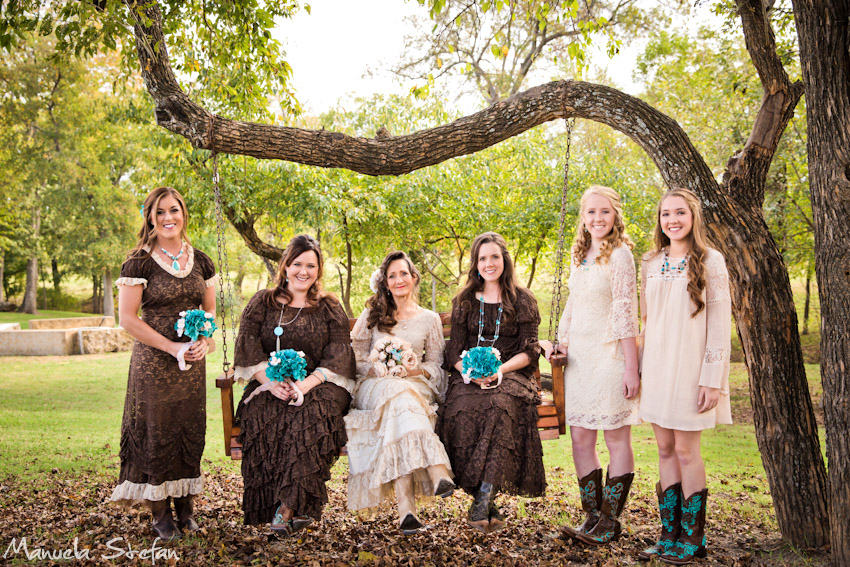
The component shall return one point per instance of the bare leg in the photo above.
(619, 443)
(404, 496)
(438, 472)
(690, 461)
(585, 458)
(668, 464)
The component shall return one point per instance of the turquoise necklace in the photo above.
(175, 264)
(676, 268)
(481, 323)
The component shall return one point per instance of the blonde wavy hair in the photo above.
(615, 238)
(697, 241)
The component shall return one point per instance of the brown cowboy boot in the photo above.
(670, 508)
(691, 542)
(614, 497)
(479, 512)
(184, 509)
(163, 522)
(497, 519)
(590, 488)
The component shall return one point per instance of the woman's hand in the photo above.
(198, 350)
(549, 350)
(707, 399)
(631, 383)
(282, 391)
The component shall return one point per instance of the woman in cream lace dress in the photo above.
(597, 332)
(392, 448)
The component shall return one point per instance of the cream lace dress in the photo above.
(682, 353)
(391, 426)
(601, 310)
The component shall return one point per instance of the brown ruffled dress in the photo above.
(491, 435)
(165, 420)
(288, 451)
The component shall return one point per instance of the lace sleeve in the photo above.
(432, 360)
(249, 357)
(458, 339)
(622, 322)
(565, 322)
(337, 356)
(361, 342)
(718, 322)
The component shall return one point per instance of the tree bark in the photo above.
(108, 298)
(808, 301)
(57, 275)
(2, 276)
(31, 289)
(762, 301)
(824, 37)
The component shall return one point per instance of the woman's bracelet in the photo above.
(323, 378)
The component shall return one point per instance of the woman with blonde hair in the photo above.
(597, 333)
(392, 447)
(164, 424)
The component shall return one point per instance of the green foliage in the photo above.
(222, 52)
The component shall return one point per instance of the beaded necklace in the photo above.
(481, 323)
(278, 331)
(175, 264)
(676, 268)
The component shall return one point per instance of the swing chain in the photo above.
(223, 266)
(559, 254)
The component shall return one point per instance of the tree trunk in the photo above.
(57, 275)
(2, 275)
(96, 298)
(808, 300)
(349, 265)
(108, 298)
(762, 301)
(31, 290)
(237, 281)
(824, 36)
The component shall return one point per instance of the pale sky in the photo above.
(333, 49)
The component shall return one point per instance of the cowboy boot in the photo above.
(184, 509)
(614, 497)
(163, 522)
(670, 508)
(691, 542)
(479, 512)
(590, 488)
(497, 519)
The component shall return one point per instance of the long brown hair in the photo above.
(382, 305)
(475, 283)
(615, 238)
(297, 246)
(697, 241)
(147, 234)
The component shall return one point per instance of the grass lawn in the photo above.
(59, 436)
(24, 318)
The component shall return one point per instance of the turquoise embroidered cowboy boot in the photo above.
(691, 542)
(614, 497)
(590, 488)
(670, 508)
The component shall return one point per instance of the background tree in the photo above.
(824, 34)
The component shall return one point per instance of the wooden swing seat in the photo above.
(550, 413)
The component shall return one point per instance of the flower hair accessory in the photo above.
(393, 356)
(375, 279)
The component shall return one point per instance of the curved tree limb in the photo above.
(762, 301)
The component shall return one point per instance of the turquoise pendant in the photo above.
(278, 331)
(175, 266)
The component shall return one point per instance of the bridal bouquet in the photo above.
(393, 356)
(480, 362)
(193, 323)
(286, 364)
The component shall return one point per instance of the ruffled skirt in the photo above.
(390, 435)
(491, 435)
(288, 451)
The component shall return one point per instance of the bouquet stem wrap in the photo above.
(193, 323)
